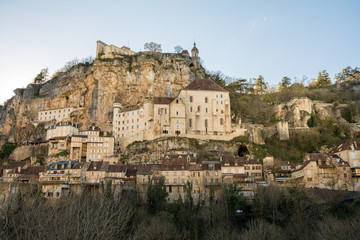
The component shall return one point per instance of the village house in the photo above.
(322, 171)
(212, 180)
(13, 170)
(55, 181)
(349, 151)
(96, 173)
(78, 147)
(58, 145)
(61, 129)
(99, 144)
(176, 174)
(31, 174)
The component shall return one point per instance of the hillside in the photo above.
(94, 87)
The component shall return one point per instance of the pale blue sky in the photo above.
(240, 38)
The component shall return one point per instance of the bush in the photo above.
(6, 150)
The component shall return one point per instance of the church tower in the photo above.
(195, 56)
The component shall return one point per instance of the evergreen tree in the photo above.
(285, 83)
(260, 85)
(323, 79)
(156, 196)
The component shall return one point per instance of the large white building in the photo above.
(201, 110)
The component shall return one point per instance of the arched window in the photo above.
(199, 109)
(221, 121)
(206, 99)
(191, 98)
(190, 122)
(206, 123)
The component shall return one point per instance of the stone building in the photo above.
(58, 145)
(322, 171)
(176, 174)
(61, 129)
(58, 114)
(111, 51)
(99, 143)
(78, 147)
(349, 151)
(55, 181)
(201, 110)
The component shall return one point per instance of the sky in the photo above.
(242, 39)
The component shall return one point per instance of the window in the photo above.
(177, 100)
(309, 179)
(353, 154)
(206, 110)
(191, 98)
(177, 121)
(206, 99)
(221, 102)
(177, 113)
(198, 108)
(177, 126)
(221, 95)
(190, 122)
(190, 109)
(206, 123)
(221, 121)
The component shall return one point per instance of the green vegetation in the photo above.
(100, 54)
(62, 153)
(274, 213)
(6, 150)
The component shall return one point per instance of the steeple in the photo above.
(194, 51)
(195, 56)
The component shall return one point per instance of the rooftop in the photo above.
(204, 84)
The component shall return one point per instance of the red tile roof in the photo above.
(204, 84)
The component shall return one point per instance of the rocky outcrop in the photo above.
(128, 80)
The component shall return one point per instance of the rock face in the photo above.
(128, 80)
(296, 112)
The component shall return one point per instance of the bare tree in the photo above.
(153, 47)
(178, 49)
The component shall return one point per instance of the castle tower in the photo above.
(195, 56)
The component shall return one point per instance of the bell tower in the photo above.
(195, 56)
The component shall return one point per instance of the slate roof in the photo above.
(98, 166)
(33, 170)
(15, 165)
(347, 145)
(174, 164)
(204, 84)
(62, 165)
(117, 168)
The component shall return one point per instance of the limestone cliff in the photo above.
(128, 80)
